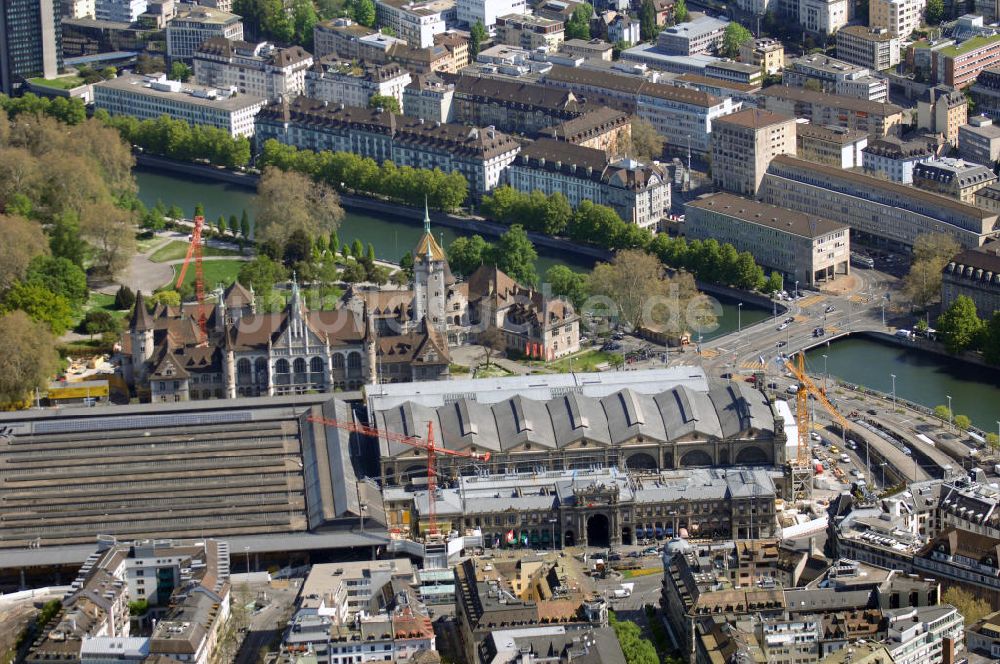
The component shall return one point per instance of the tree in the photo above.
(199, 210)
(646, 143)
(931, 252)
(578, 25)
(304, 19)
(466, 254)
(261, 274)
(220, 224)
(942, 413)
(289, 201)
(110, 230)
(971, 608)
(477, 35)
(491, 339)
(934, 12)
(959, 326)
(566, 283)
(363, 12)
(65, 240)
(515, 254)
(991, 339)
(353, 272)
(993, 440)
(775, 283)
(99, 321)
(628, 281)
(21, 241)
(41, 304)
(963, 422)
(647, 21)
(29, 358)
(734, 36)
(298, 247)
(357, 249)
(124, 298)
(813, 85)
(180, 71)
(61, 276)
(385, 102)
(168, 298)
(245, 225)
(680, 11)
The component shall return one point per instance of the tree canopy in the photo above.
(29, 358)
(288, 201)
(578, 25)
(931, 252)
(959, 326)
(735, 35)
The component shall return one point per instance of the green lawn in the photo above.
(588, 360)
(216, 272)
(62, 83)
(176, 250)
(967, 45)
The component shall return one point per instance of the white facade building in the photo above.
(487, 11)
(899, 17)
(685, 116)
(261, 70)
(119, 11)
(824, 17)
(195, 24)
(340, 82)
(416, 22)
(916, 634)
(874, 48)
(80, 9)
(149, 97)
(836, 77)
(893, 159)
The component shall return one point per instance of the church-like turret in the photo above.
(430, 271)
(141, 336)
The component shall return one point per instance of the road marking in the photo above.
(809, 301)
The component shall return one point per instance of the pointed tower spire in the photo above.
(141, 320)
(427, 216)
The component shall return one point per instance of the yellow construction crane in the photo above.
(802, 467)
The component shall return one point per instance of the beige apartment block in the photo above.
(743, 145)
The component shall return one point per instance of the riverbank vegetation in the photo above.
(961, 329)
(176, 139)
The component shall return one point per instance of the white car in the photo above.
(792, 389)
(814, 435)
(782, 327)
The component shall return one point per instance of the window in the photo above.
(316, 365)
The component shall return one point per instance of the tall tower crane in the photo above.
(194, 249)
(427, 445)
(802, 469)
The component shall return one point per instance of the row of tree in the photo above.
(714, 262)
(513, 253)
(961, 329)
(70, 110)
(281, 22)
(346, 170)
(177, 139)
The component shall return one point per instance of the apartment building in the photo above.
(340, 36)
(952, 177)
(355, 83)
(639, 193)
(487, 11)
(595, 49)
(804, 248)
(958, 65)
(700, 36)
(835, 77)
(979, 141)
(260, 70)
(430, 97)
(875, 48)
(149, 97)
(622, 28)
(899, 17)
(879, 212)
(822, 108)
(974, 273)
(415, 22)
(894, 159)
(833, 146)
(119, 11)
(743, 144)
(683, 116)
(30, 41)
(942, 110)
(530, 32)
(823, 17)
(985, 93)
(768, 53)
(79, 8)
(983, 637)
(479, 154)
(195, 24)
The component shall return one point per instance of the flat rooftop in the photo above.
(768, 216)
(185, 93)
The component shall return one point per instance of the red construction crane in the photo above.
(427, 445)
(194, 249)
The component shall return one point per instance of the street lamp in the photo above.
(893, 392)
(949, 409)
(796, 288)
(883, 464)
(246, 552)
(739, 322)
(552, 526)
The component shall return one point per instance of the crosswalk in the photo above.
(752, 364)
(810, 301)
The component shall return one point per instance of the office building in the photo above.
(79, 9)
(186, 583)
(195, 24)
(354, 83)
(590, 645)
(487, 11)
(735, 72)
(974, 273)
(149, 97)
(479, 154)
(899, 17)
(639, 193)
(260, 70)
(823, 17)
(809, 250)
(894, 159)
(957, 66)
(979, 141)
(952, 177)
(702, 36)
(767, 53)
(985, 93)
(835, 77)
(834, 146)
(878, 119)
(942, 110)
(415, 22)
(983, 637)
(683, 116)
(530, 32)
(30, 41)
(743, 144)
(119, 11)
(874, 48)
(339, 36)
(879, 212)
(430, 97)
(596, 49)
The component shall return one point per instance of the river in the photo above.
(921, 377)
